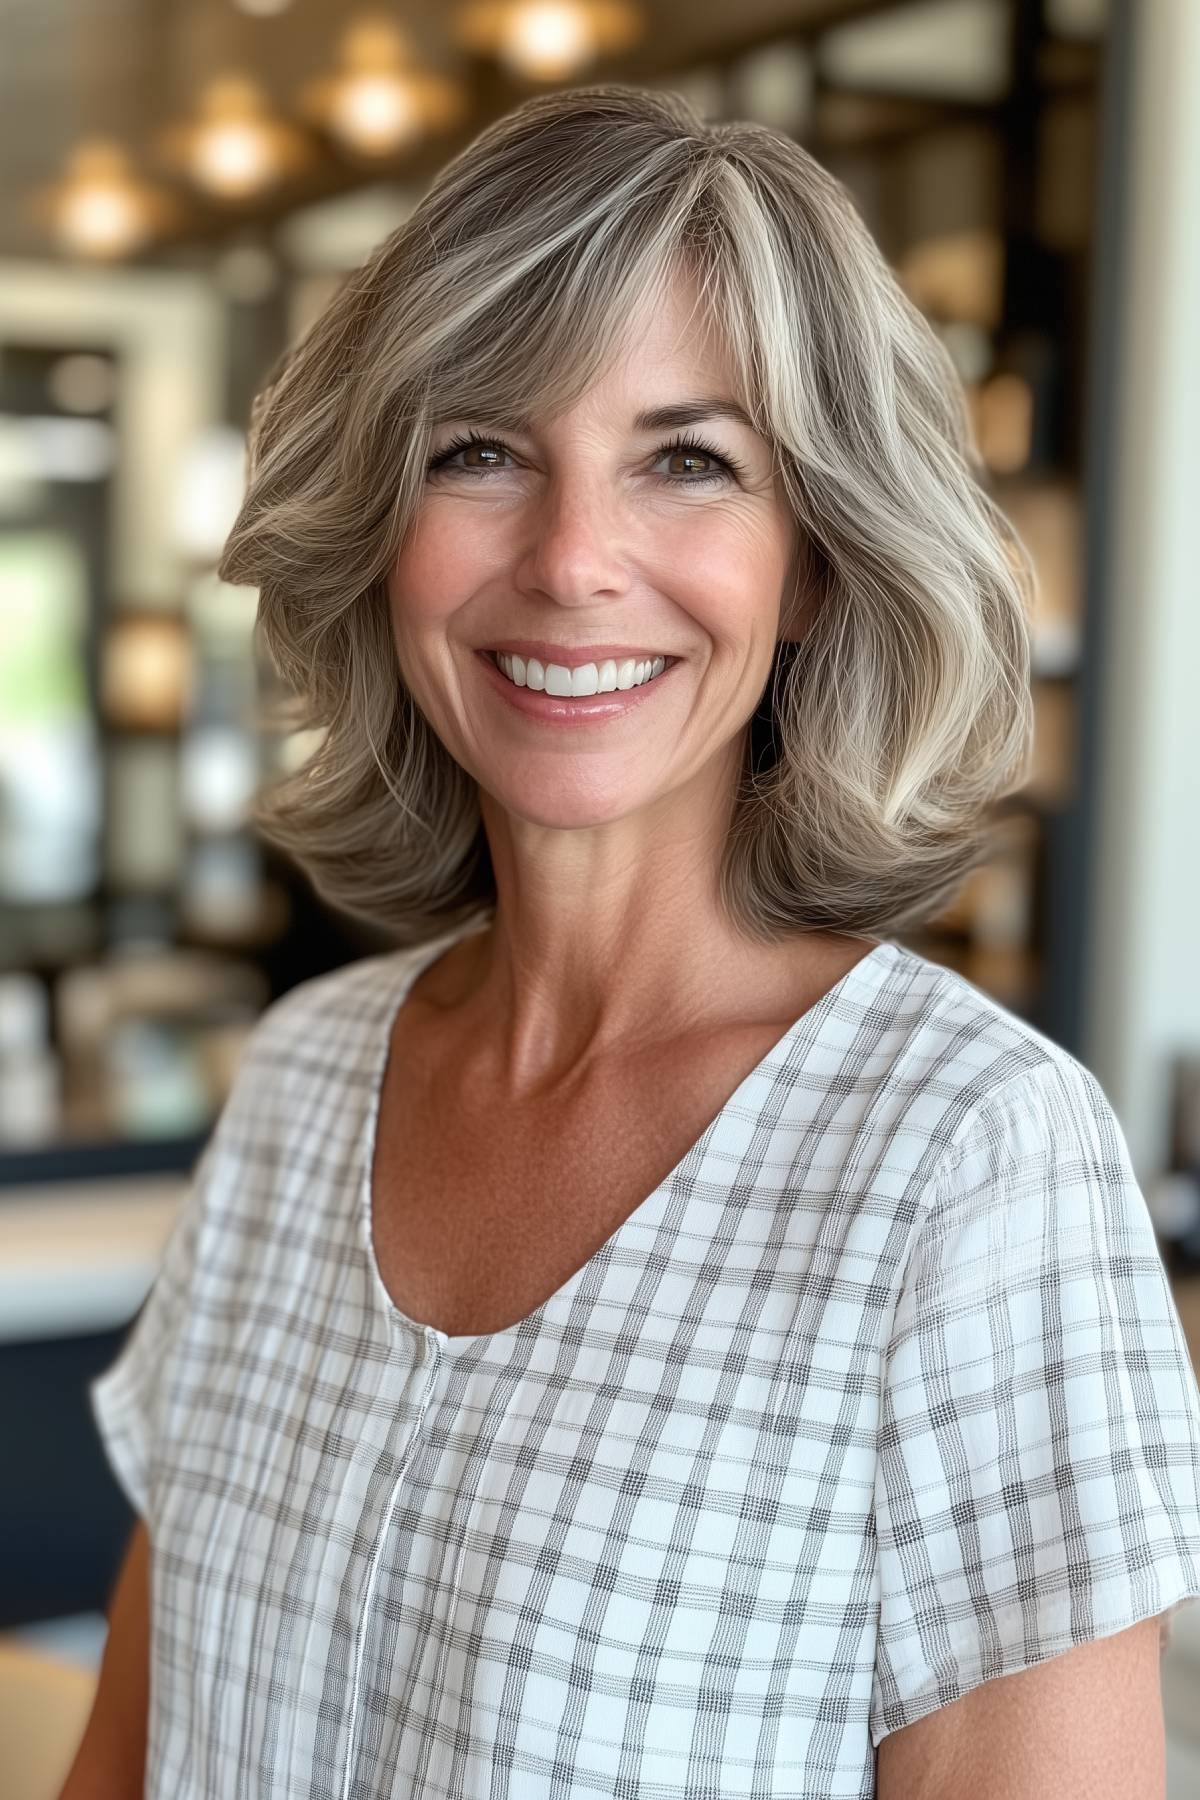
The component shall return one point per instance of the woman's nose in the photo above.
(576, 538)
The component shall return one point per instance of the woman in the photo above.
(650, 1333)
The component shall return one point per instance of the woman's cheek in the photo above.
(432, 576)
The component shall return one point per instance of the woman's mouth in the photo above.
(559, 708)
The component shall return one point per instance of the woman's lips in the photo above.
(581, 709)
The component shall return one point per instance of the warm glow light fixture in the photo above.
(548, 40)
(238, 147)
(101, 209)
(1004, 417)
(379, 102)
(145, 670)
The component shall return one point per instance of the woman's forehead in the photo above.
(652, 393)
(669, 415)
(670, 344)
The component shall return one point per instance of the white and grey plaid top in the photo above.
(881, 1393)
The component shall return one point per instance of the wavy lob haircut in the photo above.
(884, 733)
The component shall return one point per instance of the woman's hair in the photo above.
(883, 734)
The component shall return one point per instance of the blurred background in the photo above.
(183, 185)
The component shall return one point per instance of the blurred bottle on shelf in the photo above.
(151, 1038)
(1174, 1199)
(30, 1083)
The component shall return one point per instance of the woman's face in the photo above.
(587, 533)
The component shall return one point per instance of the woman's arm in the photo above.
(1086, 1723)
(110, 1763)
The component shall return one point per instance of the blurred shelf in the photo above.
(96, 1160)
(80, 1257)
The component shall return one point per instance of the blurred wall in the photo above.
(169, 330)
(1145, 952)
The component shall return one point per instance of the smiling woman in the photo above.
(580, 524)
(457, 373)
(648, 1333)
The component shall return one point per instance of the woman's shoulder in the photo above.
(320, 1034)
(950, 1037)
(345, 1000)
(291, 1123)
(951, 1001)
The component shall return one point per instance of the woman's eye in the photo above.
(693, 476)
(701, 467)
(488, 451)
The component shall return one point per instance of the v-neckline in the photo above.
(801, 1035)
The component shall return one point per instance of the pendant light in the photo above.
(238, 147)
(380, 102)
(102, 210)
(548, 40)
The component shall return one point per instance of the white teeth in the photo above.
(588, 678)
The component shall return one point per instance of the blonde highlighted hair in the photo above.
(884, 734)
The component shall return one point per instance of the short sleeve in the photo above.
(125, 1399)
(1038, 1466)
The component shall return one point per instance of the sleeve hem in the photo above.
(122, 1432)
(1121, 1609)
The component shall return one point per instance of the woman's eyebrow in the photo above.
(692, 412)
(655, 418)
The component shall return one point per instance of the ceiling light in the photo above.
(238, 147)
(548, 40)
(379, 102)
(102, 209)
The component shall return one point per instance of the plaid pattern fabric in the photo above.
(880, 1394)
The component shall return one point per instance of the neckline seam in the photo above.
(803, 1031)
